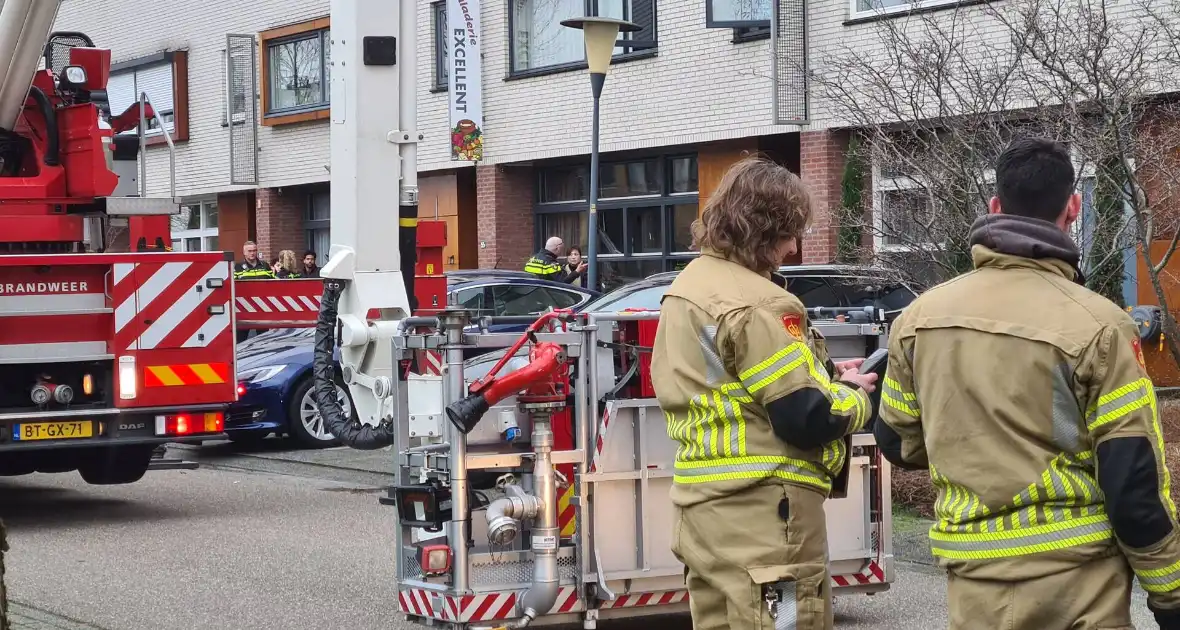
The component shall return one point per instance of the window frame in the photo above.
(311, 226)
(856, 13)
(440, 79)
(747, 34)
(641, 49)
(734, 24)
(205, 231)
(178, 60)
(669, 256)
(284, 35)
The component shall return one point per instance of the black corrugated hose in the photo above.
(352, 433)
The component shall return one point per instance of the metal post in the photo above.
(142, 145)
(596, 82)
(453, 323)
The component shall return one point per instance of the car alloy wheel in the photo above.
(313, 420)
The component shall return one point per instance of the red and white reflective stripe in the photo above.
(493, 606)
(602, 427)
(433, 363)
(279, 304)
(487, 607)
(872, 574)
(567, 601)
(157, 305)
(415, 601)
(657, 598)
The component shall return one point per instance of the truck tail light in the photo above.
(241, 389)
(434, 559)
(127, 378)
(190, 423)
(87, 384)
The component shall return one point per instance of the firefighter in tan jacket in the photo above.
(760, 424)
(1026, 397)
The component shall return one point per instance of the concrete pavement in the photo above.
(274, 540)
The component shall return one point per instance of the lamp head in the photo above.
(600, 34)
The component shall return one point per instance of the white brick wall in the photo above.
(983, 33)
(699, 87)
(288, 155)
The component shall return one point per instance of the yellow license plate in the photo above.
(52, 431)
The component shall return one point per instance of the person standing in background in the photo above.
(252, 267)
(287, 266)
(309, 270)
(575, 267)
(544, 264)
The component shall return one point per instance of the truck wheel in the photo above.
(305, 423)
(116, 465)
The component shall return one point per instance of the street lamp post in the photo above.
(600, 35)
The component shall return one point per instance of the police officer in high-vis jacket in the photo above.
(758, 411)
(1026, 397)
(252, 267)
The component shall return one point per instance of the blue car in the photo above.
(275, 366)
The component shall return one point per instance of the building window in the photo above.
(907, 214)
(195, 228)
(441, 45)
(164, 78)
(540, 42)
(646, 207)
(317, 223)
(737, 13)
(750, 34)
(871, 8)
(296, 72)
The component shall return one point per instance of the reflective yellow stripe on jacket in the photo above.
(258, 272)
(537, 266)
(895, 396)
(1063, 509)
(713, 434)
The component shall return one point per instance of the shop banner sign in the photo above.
(466, 84)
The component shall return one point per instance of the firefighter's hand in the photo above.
(844, 366)
(867, 382)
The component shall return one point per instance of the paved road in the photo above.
(270, 540)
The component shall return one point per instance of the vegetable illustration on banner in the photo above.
(466, 80)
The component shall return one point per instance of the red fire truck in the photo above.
(104, 356)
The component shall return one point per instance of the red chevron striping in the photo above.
(194, 320)
(178, 286)
(507, 608)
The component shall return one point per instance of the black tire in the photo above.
(248, 438)
(115, 465)
(295, 413)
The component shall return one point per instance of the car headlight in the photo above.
(261, 374)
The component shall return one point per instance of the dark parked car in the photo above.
(816, 285)
(275, 366)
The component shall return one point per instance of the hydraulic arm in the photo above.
(370, 272)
